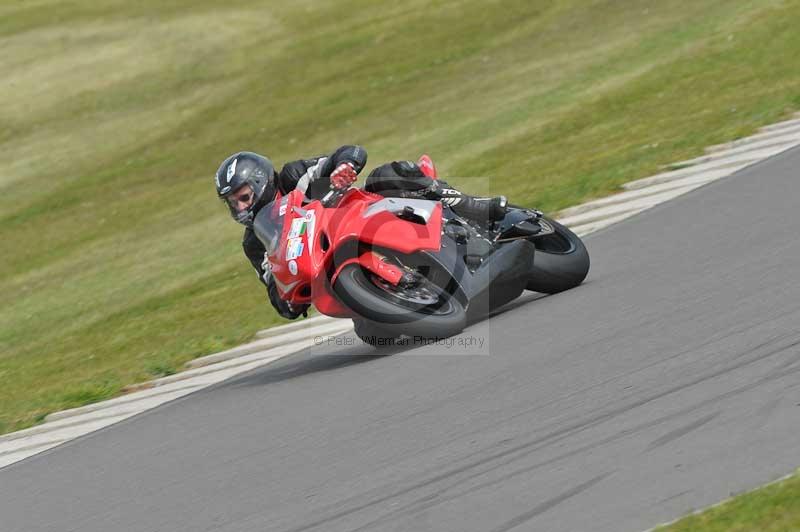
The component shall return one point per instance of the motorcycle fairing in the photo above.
(397, 206)
(381, 223)
(336, 237)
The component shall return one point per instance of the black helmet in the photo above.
(246, 168)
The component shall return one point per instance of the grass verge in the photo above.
(773, 508)
(120, 264)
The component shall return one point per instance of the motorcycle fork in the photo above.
(377, 264)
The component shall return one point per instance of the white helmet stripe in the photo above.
(232, 169)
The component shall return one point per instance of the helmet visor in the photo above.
(240, 204)
(240, 199)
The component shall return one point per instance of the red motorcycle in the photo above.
(400, 266)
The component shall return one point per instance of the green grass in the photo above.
(773, 508)
(120, 264)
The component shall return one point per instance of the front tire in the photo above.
(431, 312)
(561, 261)
(374, 335)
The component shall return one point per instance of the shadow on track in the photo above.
(309, 361)
(327, 358)
(524, 299)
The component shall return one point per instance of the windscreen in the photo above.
(268, 224)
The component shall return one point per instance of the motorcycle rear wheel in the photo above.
(561, 261)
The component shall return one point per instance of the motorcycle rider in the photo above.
(247, 181)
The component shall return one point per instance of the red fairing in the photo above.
(385, 229)
(301, 266)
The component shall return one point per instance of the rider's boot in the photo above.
(477, 209)
(471, 207)
(416, 183)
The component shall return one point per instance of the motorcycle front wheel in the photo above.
(375, 335)
(424, 309)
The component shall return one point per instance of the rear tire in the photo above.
(561, 261)
(436, 315)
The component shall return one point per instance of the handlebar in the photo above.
(332, 198)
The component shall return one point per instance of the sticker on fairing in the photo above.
(282, 210)
(310, 222)
(293, 267)
(298, 228)
(294, 248)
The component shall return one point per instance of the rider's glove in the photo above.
(286, 310)
(344, 176)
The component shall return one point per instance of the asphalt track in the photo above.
(668, 381)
